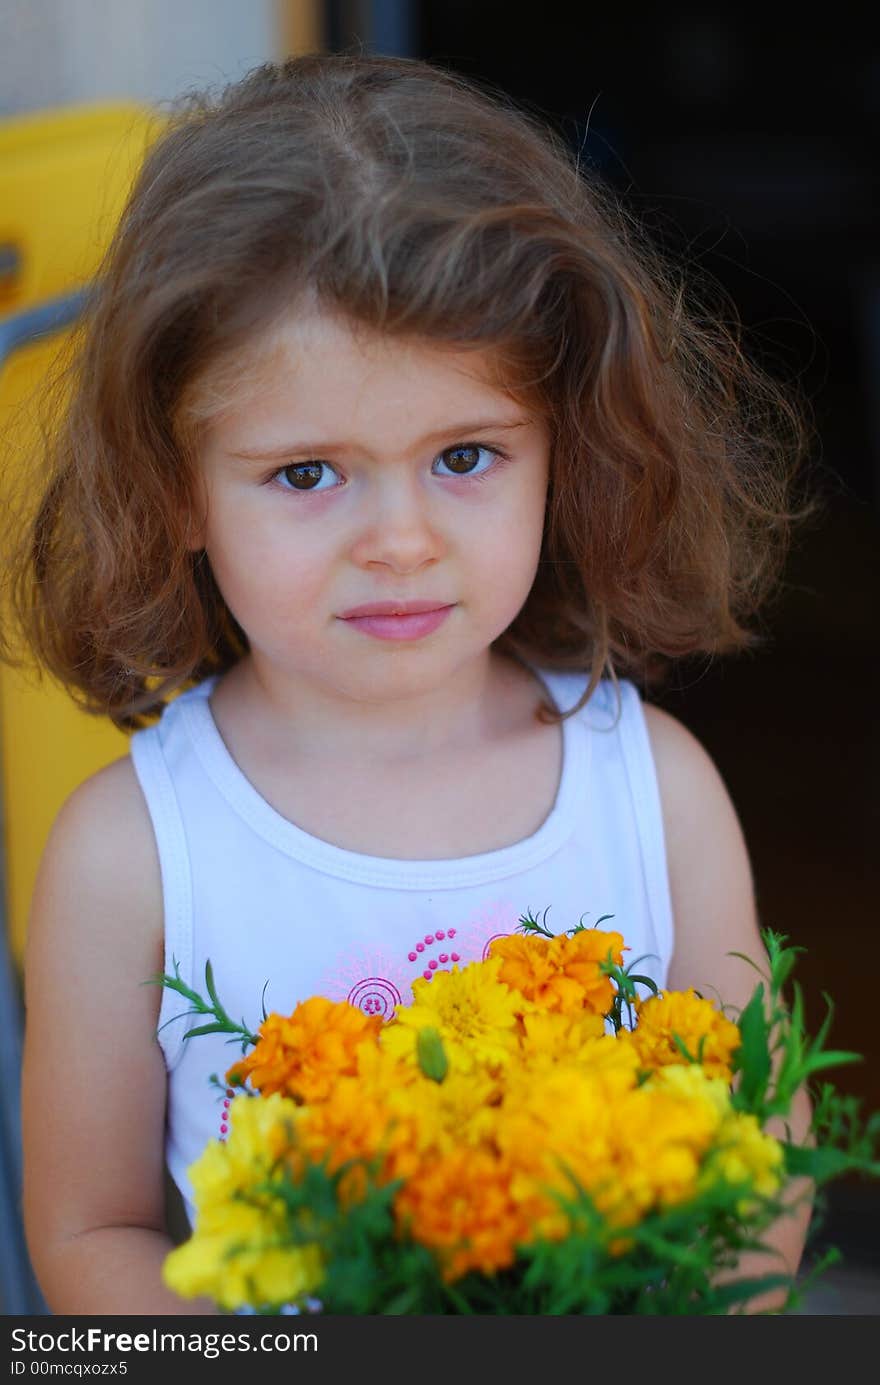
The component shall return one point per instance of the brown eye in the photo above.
(304, 476)
(464, 458)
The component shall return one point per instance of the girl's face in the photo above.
(362, 469)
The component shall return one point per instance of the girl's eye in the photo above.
(463, 461)
(304, 476)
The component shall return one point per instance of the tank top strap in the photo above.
(148, 749)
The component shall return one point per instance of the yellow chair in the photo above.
(64, 177)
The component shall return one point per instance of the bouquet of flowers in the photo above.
(530, 1135)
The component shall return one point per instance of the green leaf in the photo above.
(824, 1162)
(683, 1048)
(791, 1070)
(743, 957)
(431, 1054)
(831, 1058)
(212, 989)
(644, 981)
(753, 1058)
(530, 925)
(218, 1028)
(741, 1290)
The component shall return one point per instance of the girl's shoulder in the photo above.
(710, 870)
(99, 876)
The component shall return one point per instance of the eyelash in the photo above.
(501, 458)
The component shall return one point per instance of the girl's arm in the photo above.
(93, 1098)
(713, 903)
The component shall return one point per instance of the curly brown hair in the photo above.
(420, 203)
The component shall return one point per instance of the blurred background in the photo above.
(748, 145)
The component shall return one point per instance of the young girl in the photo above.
(395, 466)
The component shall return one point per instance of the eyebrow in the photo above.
(459, 430)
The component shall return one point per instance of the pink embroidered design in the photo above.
(375, 996)
(371, 980)
(432, 943)
(375, 981)
(495, 920)
(224, 1118)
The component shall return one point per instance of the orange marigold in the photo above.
(562, 973)
(303, 1055)
(460, 1205)
(366, 1117)
(706, 1033)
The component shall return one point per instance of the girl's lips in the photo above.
(412, 627)
(395, 608)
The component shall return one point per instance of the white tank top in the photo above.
(273, 907)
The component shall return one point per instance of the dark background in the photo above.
(747, 143)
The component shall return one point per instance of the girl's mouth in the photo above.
(402, 627)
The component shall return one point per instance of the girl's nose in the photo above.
(398, 527)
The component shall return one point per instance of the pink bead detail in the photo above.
(455, 957)
(444, 957)
(452, 932)
(429, 938)
(439, 935)
(420, 947)
(433, 965)
(412, 956)
(427, 975)
(223, 1129)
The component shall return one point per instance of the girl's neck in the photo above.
(302, 719)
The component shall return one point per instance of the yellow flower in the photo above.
(703, 1029)
(461, 1111)
(744, 1154)
(238, 1253)
(632, 1148)
(475, 1015)
(262, 1132)
(242, 1263)
(558, 1036)
(561, 973)
(362, 1119)
(389, 1112)
(613, 1062)
(692, 1082)
(303, 1055)
(546, 1128)
(662, 1132)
